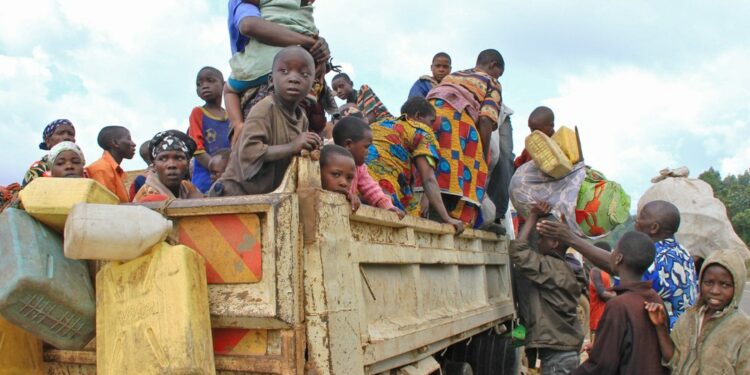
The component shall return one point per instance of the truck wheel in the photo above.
(457, 368)
(487, 353)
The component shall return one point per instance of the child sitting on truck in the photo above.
(548, 296)
(276, 129)
(66, 160)
(218, 163)
(338, 171)
(355, 135)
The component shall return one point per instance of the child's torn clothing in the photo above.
(247, 172)
(366, 187)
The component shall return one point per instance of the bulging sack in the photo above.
(602, 204)
(704, 225)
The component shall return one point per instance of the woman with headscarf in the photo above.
(66, 160)
(55, 132)
(170, 151)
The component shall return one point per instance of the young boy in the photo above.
(117, 145)
(711, 337)
(548, 296)
(218, 163)
(599, 293)
(338, 171)
(543, 119)
(66, 160)
(626, 341)
(355, 135)
(275, 130)
(209, 124)
(139, 180)
(365, 99)
(441, 67)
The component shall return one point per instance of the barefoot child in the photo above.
(548, 296)
(117, 145)
(276, 129)
(712, 336)
(355, 135)
(626, 341)
(66, 160)
(441, 67)
(338, 171)
(209, 124)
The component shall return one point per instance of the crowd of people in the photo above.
(436, 158)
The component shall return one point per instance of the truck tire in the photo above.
(486, 352)
(457, 368)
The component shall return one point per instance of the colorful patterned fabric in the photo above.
(485, 89)
(395, 145)
(673, 276)
(37, 169)
(369, 103)
(50, 129)
(602, 204)
(462, 169)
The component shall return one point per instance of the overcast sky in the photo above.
(649, 84)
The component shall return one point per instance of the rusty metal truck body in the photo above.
(300, 284)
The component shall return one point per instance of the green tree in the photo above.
(734, 192)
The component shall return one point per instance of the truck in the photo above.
(300, 284)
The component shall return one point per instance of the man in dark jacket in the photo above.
(548, 295)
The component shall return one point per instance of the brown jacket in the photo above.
(626, 341)
(266, 125)
(723, 346)
(547, 296)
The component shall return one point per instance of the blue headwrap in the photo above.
(50, 129)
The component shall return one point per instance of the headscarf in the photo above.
(171, 140)
(50, 129)
(59, 148)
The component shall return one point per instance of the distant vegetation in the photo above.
(734, 192)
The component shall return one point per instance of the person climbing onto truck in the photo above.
(365, 98)
(275, 130)
(117, 145)
(54, 133)
(711, 337)
(548, 295)
(338, 171)
(626, 341)
(355, 135)
(66, 160)
(209, 124)
(171, 151)
(401, 147)
(440, 67)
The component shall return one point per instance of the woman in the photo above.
(66, 160)
(170, 151)
(467, 105)
(55, 132)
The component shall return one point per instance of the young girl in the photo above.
(354, 135)
(66, 160)
(712, 336)
(365, 99)
(337, 171)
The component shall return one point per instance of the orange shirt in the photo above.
(107, 172)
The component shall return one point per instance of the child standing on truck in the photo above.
(355, 135)
(626, 341)
(548, 296)
(276, 129)
(338, 171)
(209, 124)
(117, 145)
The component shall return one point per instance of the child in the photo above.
(141, 179)
(117, 145)
(365, 99)
(441, 67)
(66, 160)
(548, 296)
(218, 163)
(170, 151)
(402, 147)
(275, 130)
(209, 124)
(354, 135)
(712, 336)
(54, 133)
(626, 342)
(338, 171)
(599, 292)
(543, 119)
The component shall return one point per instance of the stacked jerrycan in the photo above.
(152, 310)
